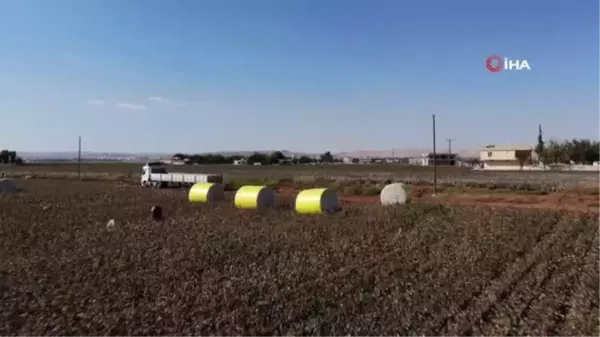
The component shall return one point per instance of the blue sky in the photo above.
(302, 75)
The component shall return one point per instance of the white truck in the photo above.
(155, 175)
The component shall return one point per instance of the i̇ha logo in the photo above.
(497, 63)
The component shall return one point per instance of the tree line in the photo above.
(576, 150)
(276, 157)
(581, 151)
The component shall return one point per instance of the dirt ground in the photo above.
(553, 201)
(581, 197)
(446, 175)
(418, 269)
(567, 201)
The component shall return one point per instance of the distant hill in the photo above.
(69, 155)
(247, 153)
(407, 152)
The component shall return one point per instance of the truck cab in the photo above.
(148, 170)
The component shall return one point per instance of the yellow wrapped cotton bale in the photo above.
(317, 201)
(393, 194)
(254, 197)
(206, 193)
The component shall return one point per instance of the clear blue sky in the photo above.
(302, 75)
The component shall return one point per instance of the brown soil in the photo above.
(553, 201)
(568, 201)
(216, 270)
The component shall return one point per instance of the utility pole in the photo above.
(434, 160)
(450, 140)
(79, 160)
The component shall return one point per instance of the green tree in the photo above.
(215, 159)
(305, 160)
(539, 149)
(231, 159)
(257, 158)
(210, 158)
(576, 150)
(555, 152)
(327, 157)
(523, 157)
(275, 157)
(198, 159)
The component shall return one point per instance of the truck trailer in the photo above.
(155, 175)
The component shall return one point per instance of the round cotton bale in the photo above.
(317, 201)
(393, 194)
(254, 197)
(206, 193)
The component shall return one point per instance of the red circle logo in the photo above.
(489, 63)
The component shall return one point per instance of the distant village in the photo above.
(277, 158)
(509, 158)
(576, 154)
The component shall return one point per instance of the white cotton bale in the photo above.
(317, 201)
(393, 194)
(206, 193)
(254, 197)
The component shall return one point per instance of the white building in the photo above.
(507, 158)
(422, 160)
(347, 160)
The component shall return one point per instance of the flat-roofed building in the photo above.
(509, 158)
